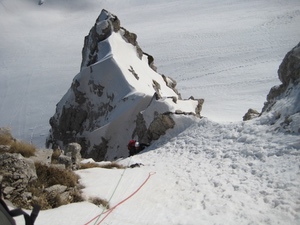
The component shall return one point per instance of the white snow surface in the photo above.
(201, 172)
(217, 170)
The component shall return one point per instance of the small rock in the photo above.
(8, 190)
(56, 188)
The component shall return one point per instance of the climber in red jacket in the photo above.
(135, 147)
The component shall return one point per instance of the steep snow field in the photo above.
(202, 172)
(226, 52)
(211, 171)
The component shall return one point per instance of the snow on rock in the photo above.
(282, 109)
(117, 96)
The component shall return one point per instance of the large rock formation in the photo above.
(282, 109)
(117, 96)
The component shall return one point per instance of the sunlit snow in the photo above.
(217, 170)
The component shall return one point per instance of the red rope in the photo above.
(121, 202)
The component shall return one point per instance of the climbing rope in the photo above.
(121, 202)
(98, 217)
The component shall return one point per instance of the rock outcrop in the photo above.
(16, 172)
(29, 181)
(57, 158)
(282, 109)
(251, 114)
(118, 95)
(73, 150)
(68, 159)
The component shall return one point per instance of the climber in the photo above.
(135, 147)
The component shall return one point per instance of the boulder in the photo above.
(57, 188)
(251, 114)
(73, 151)
(58, 157)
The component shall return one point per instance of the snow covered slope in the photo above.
(205, 172)
(201, 172)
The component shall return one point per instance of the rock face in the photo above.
(282, 109)
(117, 96)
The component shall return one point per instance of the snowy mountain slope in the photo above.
(201, 172)
(227, 52)
(205, 172)
(229, 73)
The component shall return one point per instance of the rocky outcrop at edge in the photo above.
(16, 173)
(282, 109)
(288, 74)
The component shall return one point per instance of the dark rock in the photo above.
(251, 114)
